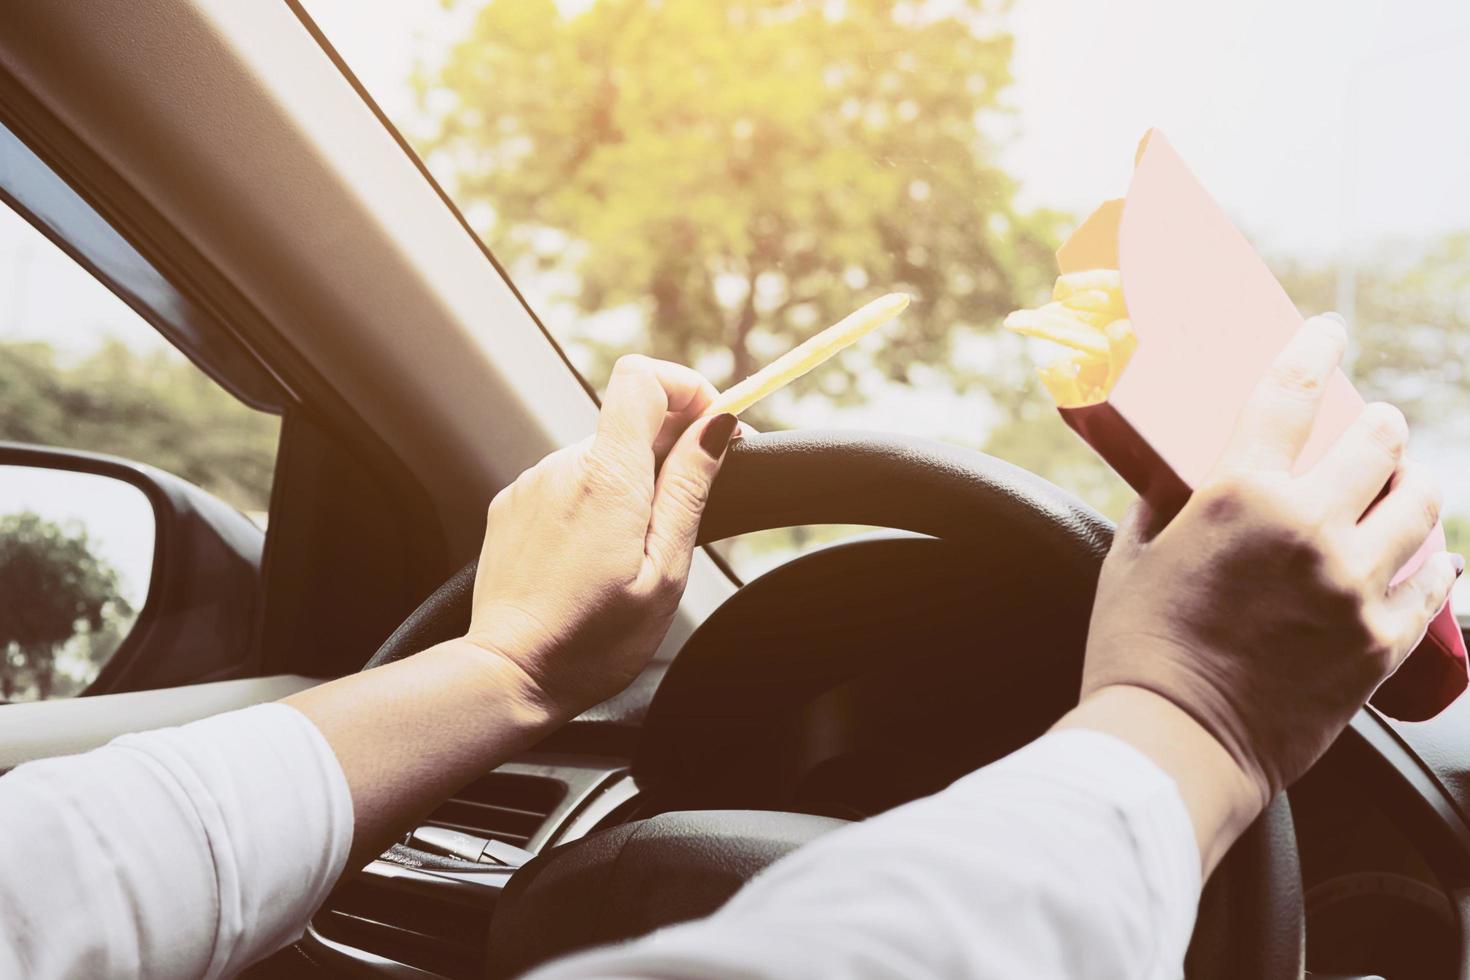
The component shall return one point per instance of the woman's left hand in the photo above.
(585, 558)
(587, 553)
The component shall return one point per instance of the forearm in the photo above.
(1221, 800)
(410, 733)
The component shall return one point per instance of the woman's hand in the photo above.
(587, 553)
(1264, 609)
(585, 558)
(1233, 642)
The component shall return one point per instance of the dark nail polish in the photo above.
(716, 434)
(1459, 562)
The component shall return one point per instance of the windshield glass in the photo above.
(711, 182)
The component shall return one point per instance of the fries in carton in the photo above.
(1171, 318)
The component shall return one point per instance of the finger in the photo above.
(1356, 468)
(1277, 418)
(643, 398)
(1419, 598)
(689, 393)
(680, 495)
(1395, 528)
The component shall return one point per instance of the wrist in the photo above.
(502, 682)
(1222, 797)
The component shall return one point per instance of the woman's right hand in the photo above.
(1264, 609)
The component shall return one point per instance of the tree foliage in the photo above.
(744, 172)
(739, 173)
(1411, 329)
(1410, 341)
(53, 590)
(154, 408)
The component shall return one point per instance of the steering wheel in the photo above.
(630, 879)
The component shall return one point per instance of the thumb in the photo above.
(680, 494)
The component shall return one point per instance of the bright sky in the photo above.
(1307, 119)
(44, 295)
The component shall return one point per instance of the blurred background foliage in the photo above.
(152, 406)
(736, 175)
(713, 182)
(739, 172)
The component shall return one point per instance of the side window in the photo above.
(81, 370)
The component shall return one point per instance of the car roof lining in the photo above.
(50, 205)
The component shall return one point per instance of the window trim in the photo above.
(35, 192)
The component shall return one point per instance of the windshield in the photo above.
(711, 182)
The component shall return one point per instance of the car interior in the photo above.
(217, 167)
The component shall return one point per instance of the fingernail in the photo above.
(1458, 560)
(1334, 315)
(716, 435)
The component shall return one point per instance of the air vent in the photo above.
(506, 806)
(422, 930)
(425, 927)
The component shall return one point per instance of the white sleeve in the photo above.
(1074, 857)
(183, 852)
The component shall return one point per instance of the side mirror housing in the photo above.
(94, 599)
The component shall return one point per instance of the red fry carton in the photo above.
(1209, 318)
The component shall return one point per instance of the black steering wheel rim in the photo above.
(1251, 916)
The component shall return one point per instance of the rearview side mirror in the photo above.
(76, 560)
(115, 576)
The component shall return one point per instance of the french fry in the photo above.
(1087, 315)
(1060, 327)
(1096, 301)
(1106, 280)
(1060, 378)
(809, 354)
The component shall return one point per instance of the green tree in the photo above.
(53, 589)
(1410, 338)
(1411, 329)
(743, 172)
(154, 408)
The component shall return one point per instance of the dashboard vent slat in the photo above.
(438, 936)
(431, 931)
(509, 807)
